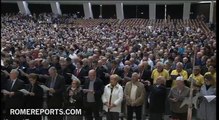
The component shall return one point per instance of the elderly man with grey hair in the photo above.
(135, 97)
(176, 96)
(13, 97)
(56, 85)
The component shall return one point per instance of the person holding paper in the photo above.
(56, 83)
(14, 98)
(176, 96)
(93, 89)
(207, 110)
(34, 100)
(112, 98)
(179, 71)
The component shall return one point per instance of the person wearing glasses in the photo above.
(74, 99)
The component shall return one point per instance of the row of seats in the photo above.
(192, 23)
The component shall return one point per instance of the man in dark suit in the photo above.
(13, 98)
(34, 100)
(115, 69)
(86, 66)
(127, 74)
(80, 72)
(144, 73)
(100, 70)
(93, 89)
(144, 76)
(65, 72)
(56, 83)
(157, 97)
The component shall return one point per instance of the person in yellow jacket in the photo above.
(159, 71)
(178, 72)
(197, 76)
(212, 71)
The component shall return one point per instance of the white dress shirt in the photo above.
(133, 92)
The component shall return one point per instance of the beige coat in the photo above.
(140, 94)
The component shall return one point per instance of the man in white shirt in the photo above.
(112, 98)
(135, 97)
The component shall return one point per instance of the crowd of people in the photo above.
(98, 67)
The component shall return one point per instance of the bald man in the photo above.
(93, 89)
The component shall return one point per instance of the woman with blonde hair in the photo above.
(74, 99)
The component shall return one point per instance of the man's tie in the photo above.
(52, 83)
(112, 71)
(110, 97)
(78, 71)
(31, 88)
(12, 84)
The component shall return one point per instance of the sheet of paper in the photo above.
(210, 97)
(24, 91)
(44, 87)
(5, 91)
(74, 77)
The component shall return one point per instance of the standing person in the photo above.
(34, 100)
(74, 99)
(157, 97)
(197, 76)
(159, 71)
(135, 95)
(178, 72)
(14, 98)
(176, 97)
(56, 83)
(112, 98)
(93, 89)
(80, 72)
(207, 110)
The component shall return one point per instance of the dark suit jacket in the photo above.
(157, 98)
(98, 89)
(126, 78)
(16, 101)
(78, 97)
(101, 74)
(118, 71)
(34, 101)
(81, 75)
(55, 101)
(63, 72)
(86, 68)
(146, 75)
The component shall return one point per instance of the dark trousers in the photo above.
(13, 117)
(155, 116)
(92, 108)
(112, 115)
(180, 116)
(8, 116)
(131, 110)
(34, 117)
(55, 105)
(55, 117)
